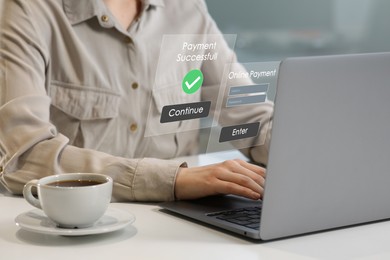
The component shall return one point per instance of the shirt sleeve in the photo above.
(30, 145)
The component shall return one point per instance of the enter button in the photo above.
(230, 133)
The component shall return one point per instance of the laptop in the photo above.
(329, 157)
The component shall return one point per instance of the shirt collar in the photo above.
(78, 11)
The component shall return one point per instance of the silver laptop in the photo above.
(329, 161)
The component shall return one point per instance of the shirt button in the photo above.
(128, 40)
(104, 18)
(134, 85)
(133, 127)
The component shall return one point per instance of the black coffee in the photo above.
(74, 183)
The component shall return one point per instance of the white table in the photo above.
(158, 235)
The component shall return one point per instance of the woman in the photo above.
(75, 77)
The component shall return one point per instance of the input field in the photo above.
(246, 100)
(250, 89)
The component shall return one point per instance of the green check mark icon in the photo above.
(192, 81)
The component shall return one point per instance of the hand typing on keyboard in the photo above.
(236, 177)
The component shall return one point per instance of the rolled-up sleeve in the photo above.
(31, 148)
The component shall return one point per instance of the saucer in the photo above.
(37, 221)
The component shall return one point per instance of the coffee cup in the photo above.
(71, 200)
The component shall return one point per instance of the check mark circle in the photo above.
(192, 81)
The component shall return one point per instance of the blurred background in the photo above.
(271, 30)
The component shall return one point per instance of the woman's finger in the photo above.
(254, 172)
(231, 181)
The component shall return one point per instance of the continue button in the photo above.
(230, 133)
(185, 111)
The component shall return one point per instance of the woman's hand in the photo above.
(229, 177)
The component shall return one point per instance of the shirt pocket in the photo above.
(84, 102)
(167, 96)
(173, 95)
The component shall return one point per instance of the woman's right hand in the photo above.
(236, 177)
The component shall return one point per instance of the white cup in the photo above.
(72, 200)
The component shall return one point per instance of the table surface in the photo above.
(158, 235)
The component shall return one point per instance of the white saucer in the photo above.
(37, 221)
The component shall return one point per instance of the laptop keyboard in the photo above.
(248, 217)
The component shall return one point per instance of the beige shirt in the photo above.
(75, 90)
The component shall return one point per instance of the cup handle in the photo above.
(27, 194)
